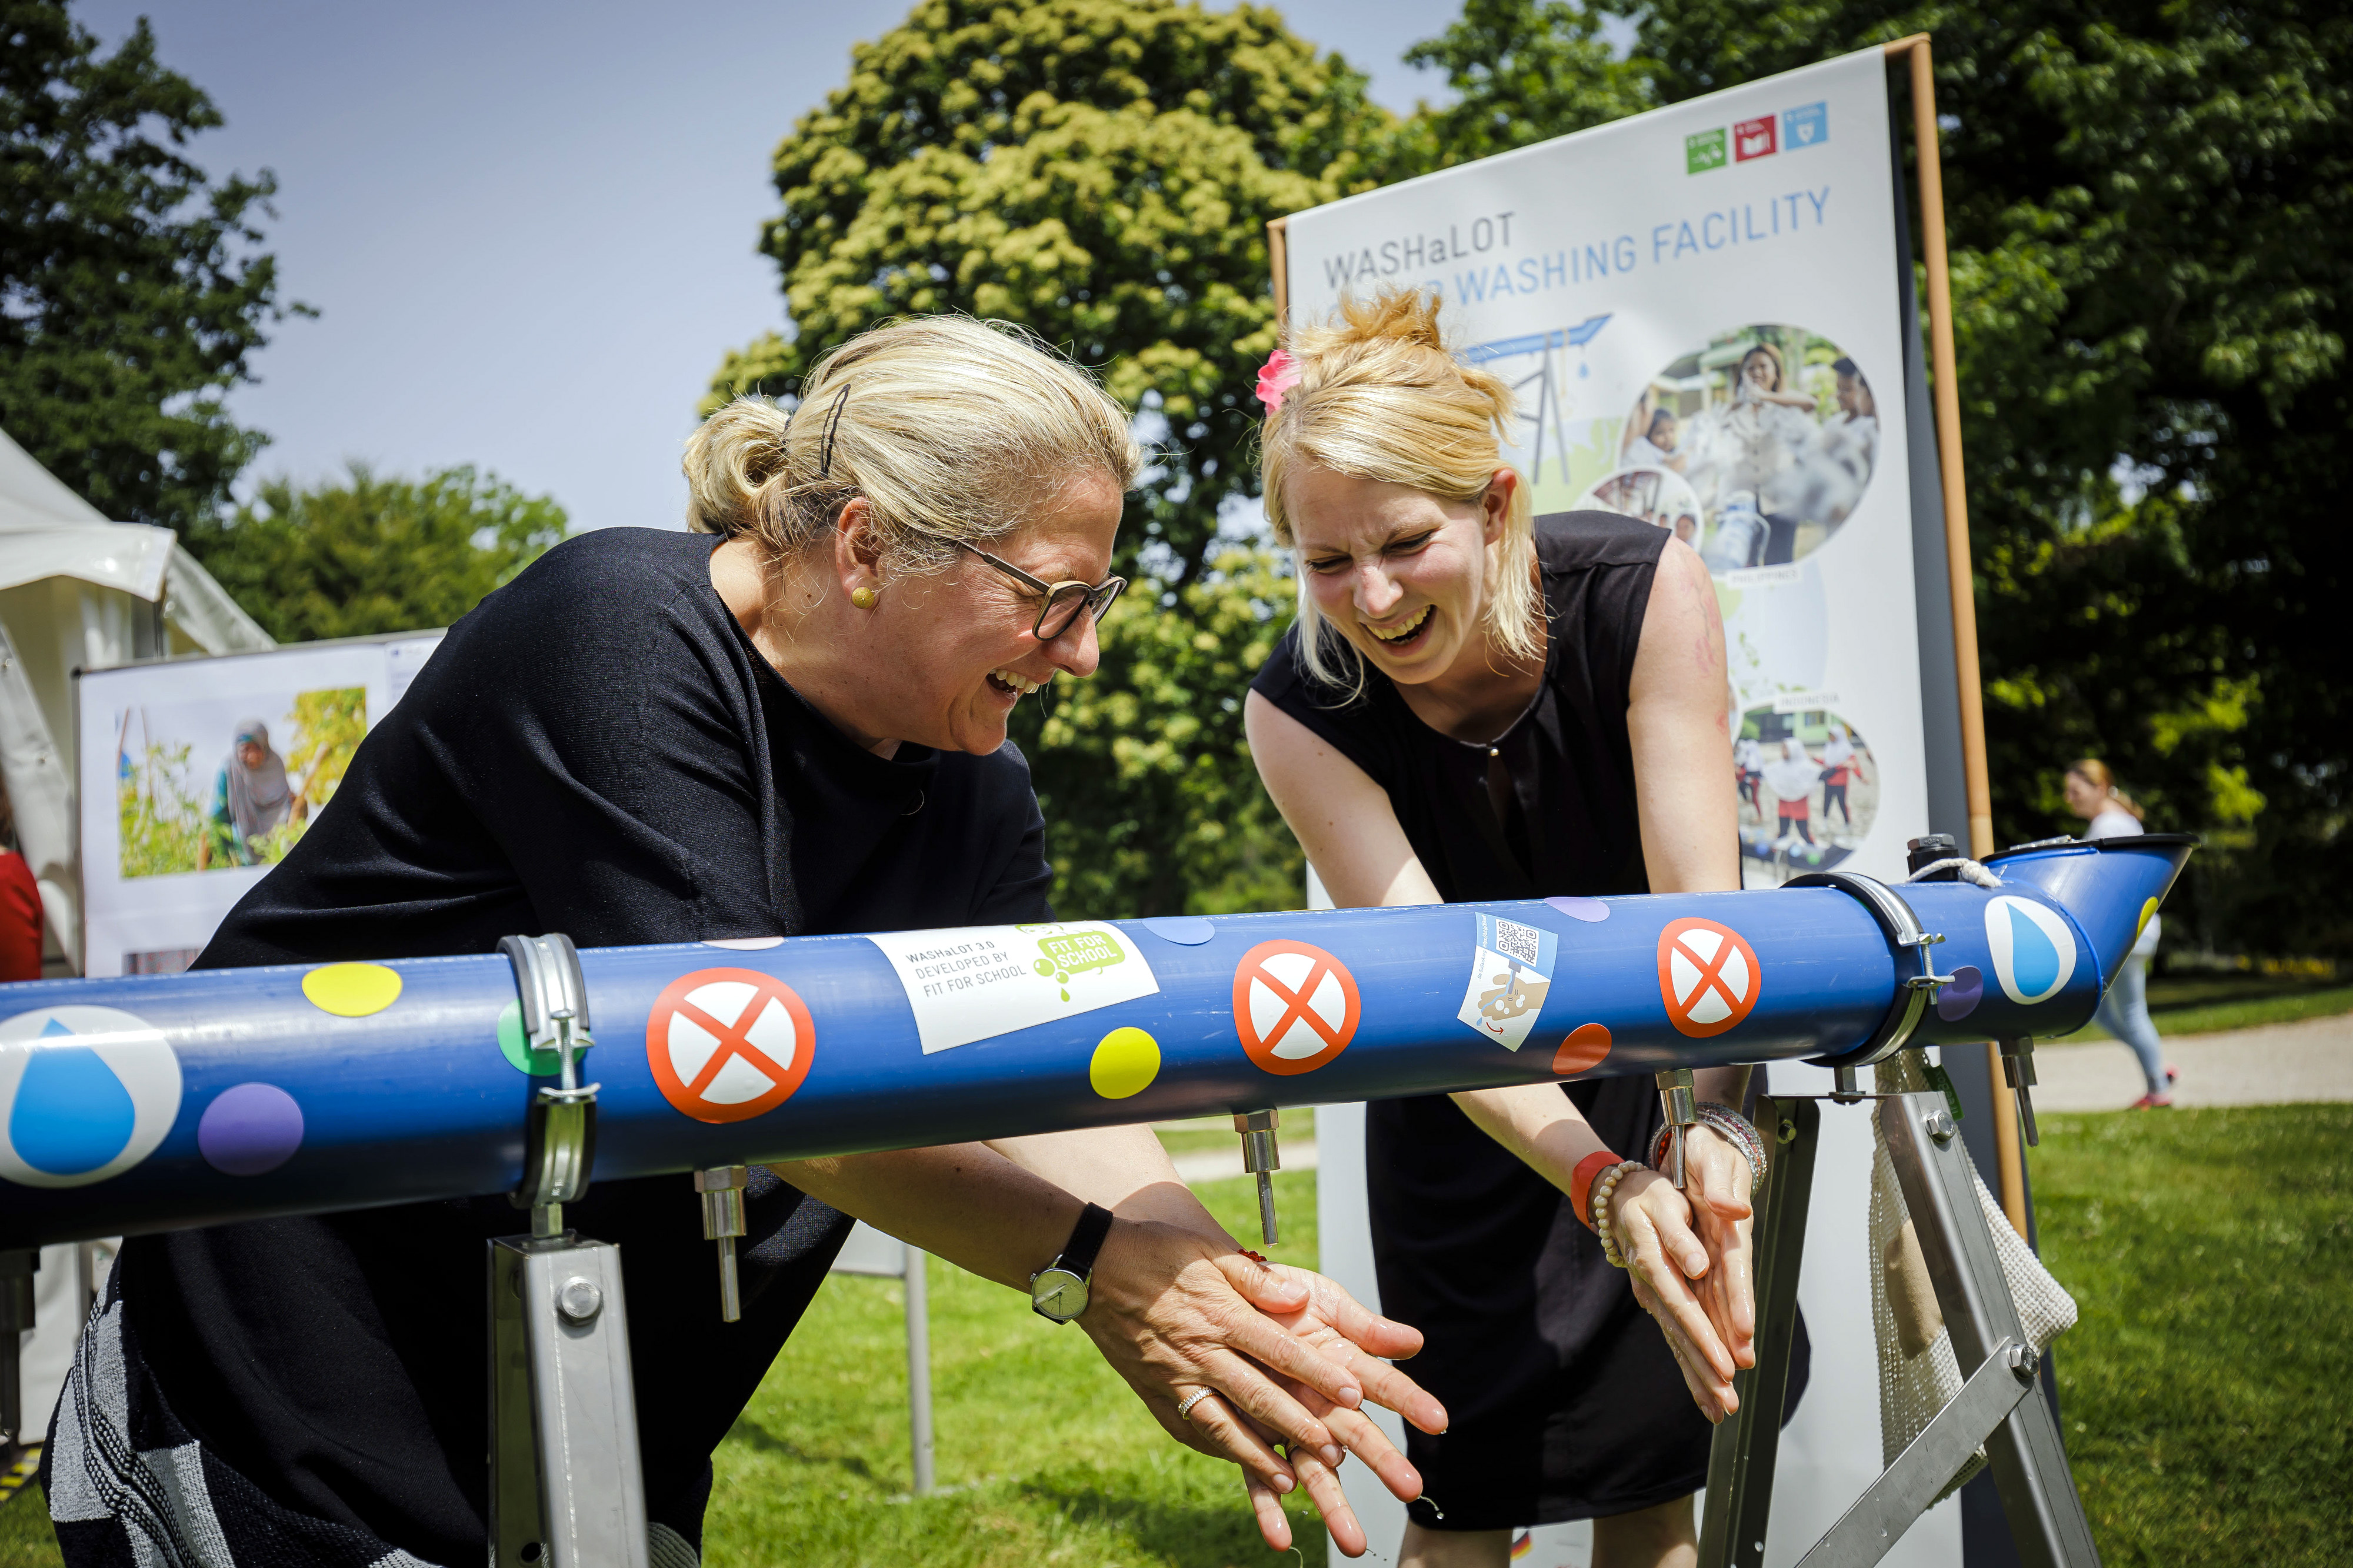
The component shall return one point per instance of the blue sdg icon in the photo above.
(85, 1093)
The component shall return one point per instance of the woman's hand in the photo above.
(1690, 1264)
(1288, 1358)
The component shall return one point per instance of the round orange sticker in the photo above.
(1295, 1006)
(1708, 977)
(726, 1045)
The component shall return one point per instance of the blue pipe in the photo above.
(153, 1102)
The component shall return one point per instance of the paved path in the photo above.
(2279, 1064)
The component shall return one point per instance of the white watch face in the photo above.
(1058, 1294)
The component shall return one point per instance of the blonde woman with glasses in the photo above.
(788, 721)
(1477, 703)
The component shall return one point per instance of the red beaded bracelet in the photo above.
(1580, 1184)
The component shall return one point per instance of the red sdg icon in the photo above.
(726, 1045)
(1708, 977)
(1295, 1006)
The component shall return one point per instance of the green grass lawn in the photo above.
(2202, 1392)
(2209, 1003)
(2211, 1252)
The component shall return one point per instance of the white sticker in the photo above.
(974, 983)
(1511, 974)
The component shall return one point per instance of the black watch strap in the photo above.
(1086, 1240)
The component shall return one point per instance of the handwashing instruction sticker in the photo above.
(1511, 973)
(974, 983)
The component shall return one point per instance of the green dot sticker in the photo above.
(517, 1049)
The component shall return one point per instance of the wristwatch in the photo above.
(1057, 1292)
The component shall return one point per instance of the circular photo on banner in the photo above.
(1660, 497)
(1776, 430)
(1808, 793)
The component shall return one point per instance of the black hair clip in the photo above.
(833, 420)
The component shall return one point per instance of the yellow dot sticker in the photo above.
(352, 990)
(1125, 1063)
(2147, 913)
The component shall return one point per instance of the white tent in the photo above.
(79, 592)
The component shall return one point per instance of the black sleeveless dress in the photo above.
(1565, 1401)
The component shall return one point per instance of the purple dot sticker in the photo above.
(250, 1131)
(1184, 931)
(1586, 910)
(1959, 999)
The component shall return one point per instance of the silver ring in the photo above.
(1185, 1407)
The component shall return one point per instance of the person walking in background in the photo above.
(2093, 794)
(251, 797)
(1748, 762)
(20, 904)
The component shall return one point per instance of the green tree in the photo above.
(130, 292)
(1100, 171)
(368, 554)
(2151, 218)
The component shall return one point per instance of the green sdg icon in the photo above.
(518, 1051)
(1704, 150)
(1076, 954)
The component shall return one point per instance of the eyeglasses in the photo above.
(1062, 602)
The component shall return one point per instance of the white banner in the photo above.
(196, 775)
(1700, 310)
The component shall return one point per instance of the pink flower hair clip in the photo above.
(1276, 377)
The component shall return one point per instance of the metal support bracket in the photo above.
(567, 1488)
(1919, 988)
(562, 1136)
(1994, 1410)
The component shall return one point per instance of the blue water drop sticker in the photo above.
(2033, 957)
(71, 1114)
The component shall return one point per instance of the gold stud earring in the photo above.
(864, 598)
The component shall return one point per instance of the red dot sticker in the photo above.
(1584, 1048)
(1295, 1006)
(726, 1045)
(1708, 977)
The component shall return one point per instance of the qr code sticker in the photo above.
(1520, 942)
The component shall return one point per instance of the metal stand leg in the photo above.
(915, 1289)
(1994, 1408)
(1741, 1460)
(2030, 1467)
(566, 1489)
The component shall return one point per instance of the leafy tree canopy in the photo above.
(130, 293)
(366, 554)
(1100, 171)
(2151, 215)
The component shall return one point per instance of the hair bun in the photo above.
(1392, 315)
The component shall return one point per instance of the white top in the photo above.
(2116, 822)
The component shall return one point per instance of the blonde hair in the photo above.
(2096, 773)
(1380, 397)
(950, 427)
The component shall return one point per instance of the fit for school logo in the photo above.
(1791, 130)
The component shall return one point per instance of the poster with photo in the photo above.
(197, 776)
(1701, 311)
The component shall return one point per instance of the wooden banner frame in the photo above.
(1929, 172)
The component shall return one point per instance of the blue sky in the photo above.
(527, 227)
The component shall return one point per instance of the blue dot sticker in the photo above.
(250, 1129)
(1184, 931)
(85, 1093)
